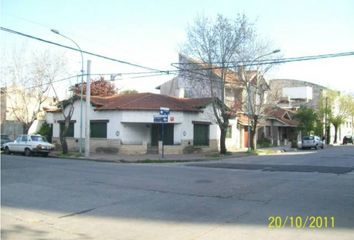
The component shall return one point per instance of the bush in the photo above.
(264, 143)
(46, 131)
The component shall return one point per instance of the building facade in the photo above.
(127, 124)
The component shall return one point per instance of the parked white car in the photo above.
(312, 142)
(29, 144)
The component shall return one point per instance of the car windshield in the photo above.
(37, 138)
(308, 138)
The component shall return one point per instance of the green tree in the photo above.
(307, 118)
(46, 131)
(325, 112)
(342, 110)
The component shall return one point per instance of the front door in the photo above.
(245, 137)
(156, 134)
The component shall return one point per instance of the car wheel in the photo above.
(7, 150)
(27, 152)
(316, 147)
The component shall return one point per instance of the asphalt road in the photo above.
(304, 195)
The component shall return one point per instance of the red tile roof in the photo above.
(281, 115)
(148, 101)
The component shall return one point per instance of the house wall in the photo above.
(130, 131)
(298, 92)
(277, 85)
(135, 134)
(234, 142)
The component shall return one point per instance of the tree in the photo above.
(30, 82)
(307, 118)
(99, 87)
(66, 108)
(343, 110)
(46, 131)
(215, 43)
(255, 104)
(335, 109)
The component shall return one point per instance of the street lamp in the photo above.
(82, 83)
(249, 97)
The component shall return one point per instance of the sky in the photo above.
(150, 33)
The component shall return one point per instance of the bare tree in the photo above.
(250, 72)
(66, 108)
(215, 43)
(30, 82)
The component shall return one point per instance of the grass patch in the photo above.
(69, 154)
(160, 161)
(265, 151)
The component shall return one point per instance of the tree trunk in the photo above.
(222, 140)
(253, 134)
(254, 138)
(26, 127)
(335, 133)
(64, 144)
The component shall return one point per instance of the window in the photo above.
(268, 131)
(229, 132)
(98, 129)
(70, 132)
(201, 135)
(37, 138)
(24, 139)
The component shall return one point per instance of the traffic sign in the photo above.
(160, 119)
(164, 111)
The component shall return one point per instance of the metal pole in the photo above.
(82, 83)
(87, 115)
(326, 117)
(249, 118)
(162, 150)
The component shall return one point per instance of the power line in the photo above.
(264, 62)
(147, 74)
(75, 49)
(55, 81)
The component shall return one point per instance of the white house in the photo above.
(126, 124)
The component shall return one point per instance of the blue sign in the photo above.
(164, 111)
(161, 119)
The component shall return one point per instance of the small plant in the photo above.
(46, 131)
(264, 143)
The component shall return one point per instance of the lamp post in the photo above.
(249, 98)
(82, 84)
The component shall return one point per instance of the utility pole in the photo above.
(87, 115)
(326, 122)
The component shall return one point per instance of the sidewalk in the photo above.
(151, 158)
(157, 158)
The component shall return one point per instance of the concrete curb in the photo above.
(148, 159)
